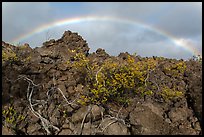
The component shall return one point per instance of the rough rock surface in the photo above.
(53, 81)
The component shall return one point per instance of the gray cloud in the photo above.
(21, 17)
(182, 20)
(179, 19)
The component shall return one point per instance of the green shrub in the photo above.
(9, 56)
(115, 80)
(169, 94)
(12, 117)
(175, 69)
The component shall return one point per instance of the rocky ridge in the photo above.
(40, 92)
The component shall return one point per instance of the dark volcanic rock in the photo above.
(150, 123)
(57, 87)
(193, 78)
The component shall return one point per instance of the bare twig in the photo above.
(74, 100)
(117, 119)
(52, 89)
(54, 81)
(66, 98)
(108, 125)
(156, 85)
(119, 112)
(82, 123)
(45, 123)
(97, 74)
(146, 79)
(101, 120)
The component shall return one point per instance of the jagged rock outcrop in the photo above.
(55, 86)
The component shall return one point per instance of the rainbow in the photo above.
(67, 21)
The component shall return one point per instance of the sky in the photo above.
(168, 29)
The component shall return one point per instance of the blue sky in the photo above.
(179, 22)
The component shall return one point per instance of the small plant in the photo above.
(27, 59)
(22, 47)
(12, 117)
(9, 56)
(169, 94)
(135, 54)
(181, 67)
(160, 58)
(175, 69)
(197, 58)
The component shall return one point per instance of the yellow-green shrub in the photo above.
(169, 94)
(9, 56)
(176, 69)
(115, 80)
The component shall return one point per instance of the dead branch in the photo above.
(108, 125)
(45, 123)
(70, 104)
(82, 123)
(119, 112)
(97, 74)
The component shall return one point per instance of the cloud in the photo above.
(191, 45)
(179, 19)
(21, 17)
